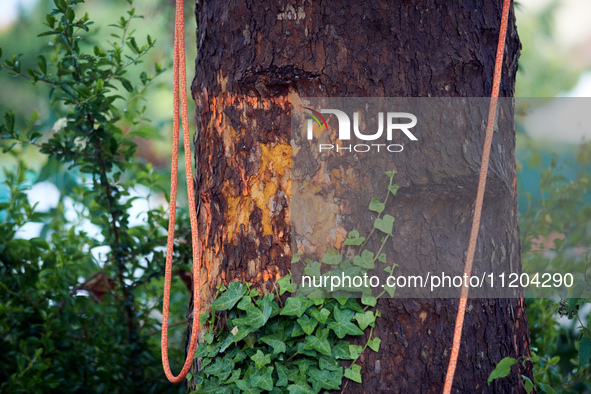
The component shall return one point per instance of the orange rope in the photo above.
(179, 72)
(492, 113)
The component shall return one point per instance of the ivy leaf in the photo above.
(245, 301)
(355, 351)
(321, 315)
(342, 325)
(502, 369)
(584, 351)
(295, 258)
(527, 383)
(374, 344)
(390, 174)
(385, 225)
(393, 189)
(354, 239)
(318, 342)
(234, 377)
(382, 258)
(260, 359)
(222, 368)
(275, 342)
(313, 269)
(354, 373)
(330, 380)
(284, 284)
(263, 380)
(296, 306)
(307, 324)
(329, 363)
(341, 351)
(332, 257)
(353, 305)
(365, 319)
(390, 289)
(281, 374)
(230, 297)
(255, 317)
(303, 365)
(365, 260)
(376, 205)
(300, 386)
(369, 301)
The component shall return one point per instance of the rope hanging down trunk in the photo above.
(180, 77)
(492, 114)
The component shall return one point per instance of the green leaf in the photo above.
(245, 301)
(355, 351)
(354, 239)
(382, 258)
(527, 383)
(342, 325)
(374, 344)
(393, 189)
(255, 317)
(390, 174)
(546, 388)
(263, 380)
(365, 319)
(354, 373)
(295, 306)
(332, 257)
(300, 386)
(554, 360)
(390, 289)
(318, 342)
(313, 269)
(234, 377)
(369, 301)
(330, 380)
(365, 260)
(126, 84)
(284, 284)
(584, 351)
(221, 368)
(260, 359)
(275, 342)
(308, 324)
(502, 369)
(321, 315)
(341, 351)
(230, 297)
(385, 224)
(376, 205)
(281, 374)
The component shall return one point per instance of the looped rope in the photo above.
(492, 114)
(179, 74)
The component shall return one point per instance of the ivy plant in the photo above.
(282, 343)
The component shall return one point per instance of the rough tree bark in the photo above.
(252, 54)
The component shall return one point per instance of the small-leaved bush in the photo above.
(79, 305)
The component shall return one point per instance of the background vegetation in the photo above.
(81, 272)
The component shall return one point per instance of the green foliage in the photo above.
(281, 345)
(75, 319)
(293, 344)
(556, 234)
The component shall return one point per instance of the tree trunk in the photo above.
(252, 55)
